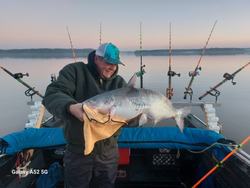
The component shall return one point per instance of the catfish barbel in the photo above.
(129, 102)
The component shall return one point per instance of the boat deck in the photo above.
(149, 168)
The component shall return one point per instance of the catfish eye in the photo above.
(106, 102)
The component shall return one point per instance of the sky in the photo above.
(43, 23)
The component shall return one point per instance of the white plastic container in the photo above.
(212, 124)
(36, 108)
(33, 116)
(209, 115)
(213, 119)
(214, 128)
(208, 106)
(209, 110)
(34, 121)
(29, 125)
(38, 103)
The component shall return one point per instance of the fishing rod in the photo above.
(195, 72)
(169, 92)
(18, 77)
(142, 71)
(221, 162)
(100, 33)
(71, 44)
(227, 77)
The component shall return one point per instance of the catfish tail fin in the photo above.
(179, 117)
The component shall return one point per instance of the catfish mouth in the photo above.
(97, 109)
(92, 110)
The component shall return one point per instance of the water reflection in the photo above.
(233, 114)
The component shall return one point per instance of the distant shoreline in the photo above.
(67, 53)
(208, 51)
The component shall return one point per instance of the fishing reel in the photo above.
(229, 77)
(20, 75)
(194, 73)
(172, 73)
(53, 77)
(140, 73)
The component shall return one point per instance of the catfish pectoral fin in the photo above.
(143, 119)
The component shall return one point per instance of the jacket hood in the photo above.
(93, 68)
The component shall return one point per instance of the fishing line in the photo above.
(142, 71)
(169, 91)
(100, 33)
(71, 44)
(221, 162)
(213, 174)
(141, 68)
(195, 72)
(211, 147)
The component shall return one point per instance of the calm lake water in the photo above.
(233, 113)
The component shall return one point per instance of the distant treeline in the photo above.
(45, 53)
(209, 51)
(67, 53)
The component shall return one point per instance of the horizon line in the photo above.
(132, 50)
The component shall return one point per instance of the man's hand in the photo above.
(77, 111)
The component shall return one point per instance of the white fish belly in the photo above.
(160, 110)
(127, 111)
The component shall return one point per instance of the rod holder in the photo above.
(190, 92)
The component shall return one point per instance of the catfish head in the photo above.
(102, 103)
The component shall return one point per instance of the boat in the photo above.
(149, 156)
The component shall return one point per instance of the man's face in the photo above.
(104, 68)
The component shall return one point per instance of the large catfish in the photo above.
(129, 102)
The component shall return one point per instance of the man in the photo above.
(63, 98)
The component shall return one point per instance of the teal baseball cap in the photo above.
(109, 52)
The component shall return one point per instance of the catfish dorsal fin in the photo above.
(132, 81)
